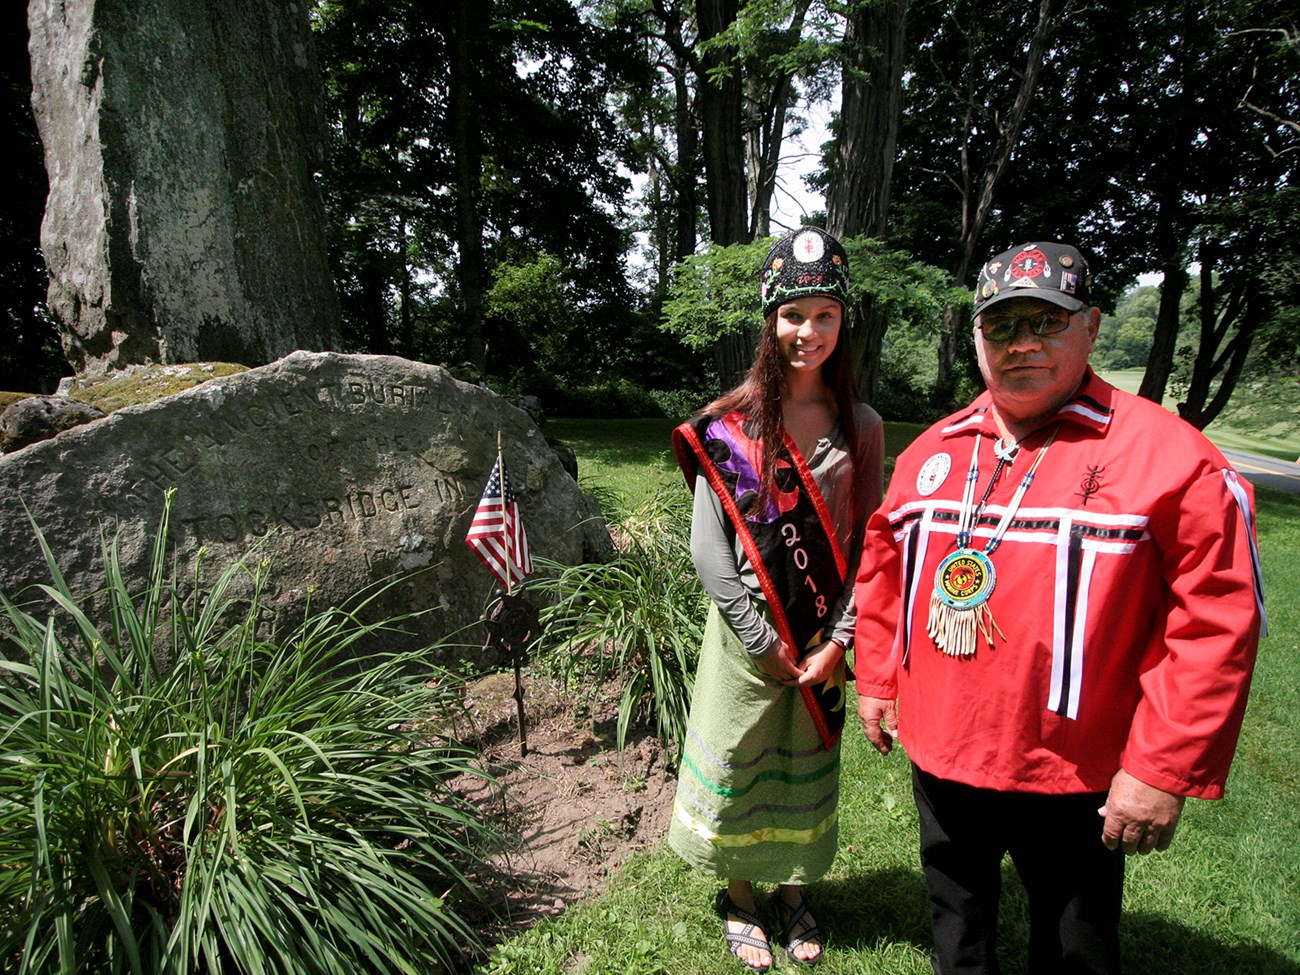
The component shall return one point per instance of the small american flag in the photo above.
(497, 532)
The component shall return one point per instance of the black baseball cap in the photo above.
(1055, 273)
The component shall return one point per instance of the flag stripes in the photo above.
(497, 533)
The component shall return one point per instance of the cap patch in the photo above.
(808, 247)
(1026, 266)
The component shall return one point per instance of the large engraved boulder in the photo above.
(182, 139)
(340, 471)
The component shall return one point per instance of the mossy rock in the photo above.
(144, 384)
(7, 399)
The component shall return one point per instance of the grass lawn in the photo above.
(634, 458)
(1283, 446)
(1224, 900)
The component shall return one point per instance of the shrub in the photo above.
(681, 404)
(246, 806)
(637, 619)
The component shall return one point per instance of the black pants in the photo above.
(1075, 885)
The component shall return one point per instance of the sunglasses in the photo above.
(1003, 328)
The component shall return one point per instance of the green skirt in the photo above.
(757, 791)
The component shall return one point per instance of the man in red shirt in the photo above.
(1058, 609)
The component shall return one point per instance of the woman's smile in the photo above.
(808, 330)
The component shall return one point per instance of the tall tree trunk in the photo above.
(372, 276)
(857, 201)
(1164, 340)
(470, 271)
(724, 162)
(975, 213)
(684, 175)
(406, 317)
(763, 155)
(686, 185)
(1171, 234)
(1237, 312)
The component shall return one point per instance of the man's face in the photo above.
(1031, 375)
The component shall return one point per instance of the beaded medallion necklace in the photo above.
(964, 581)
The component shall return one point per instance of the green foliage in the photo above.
(531, 149)
(716, 292)
(611, 395)
(1124, 339)
(912, 293)
(637, 619)
(531, 296)
(911, 297)
(537, 303)
(586, 359)
(178, 795)
(679, 404)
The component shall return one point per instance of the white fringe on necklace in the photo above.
(954, 630)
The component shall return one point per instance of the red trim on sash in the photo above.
(819, 504)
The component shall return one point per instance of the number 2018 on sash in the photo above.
(800, 556)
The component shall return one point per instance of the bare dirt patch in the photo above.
(572, 809)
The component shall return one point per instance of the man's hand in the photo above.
(879, 721)
(1139, 817)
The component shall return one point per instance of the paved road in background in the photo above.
(1283, 475)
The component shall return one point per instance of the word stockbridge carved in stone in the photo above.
(341, 471)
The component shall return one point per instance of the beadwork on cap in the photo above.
(805, 262)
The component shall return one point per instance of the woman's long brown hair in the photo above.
(759, 395)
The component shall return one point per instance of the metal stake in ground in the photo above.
(511, 623)
(497, 535)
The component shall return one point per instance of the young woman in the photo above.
(785, 469)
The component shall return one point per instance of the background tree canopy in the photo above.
(553, 191)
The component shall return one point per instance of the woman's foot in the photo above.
(799, 932)
(742, 927)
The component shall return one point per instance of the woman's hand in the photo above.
(816, 667)
(782, 666)
(819, 664)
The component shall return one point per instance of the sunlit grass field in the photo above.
(1224, 900)
(1284, 446)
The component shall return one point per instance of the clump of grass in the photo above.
(8, 399)
(180, 795)
(637, 620)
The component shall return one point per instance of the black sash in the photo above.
(790, 541)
